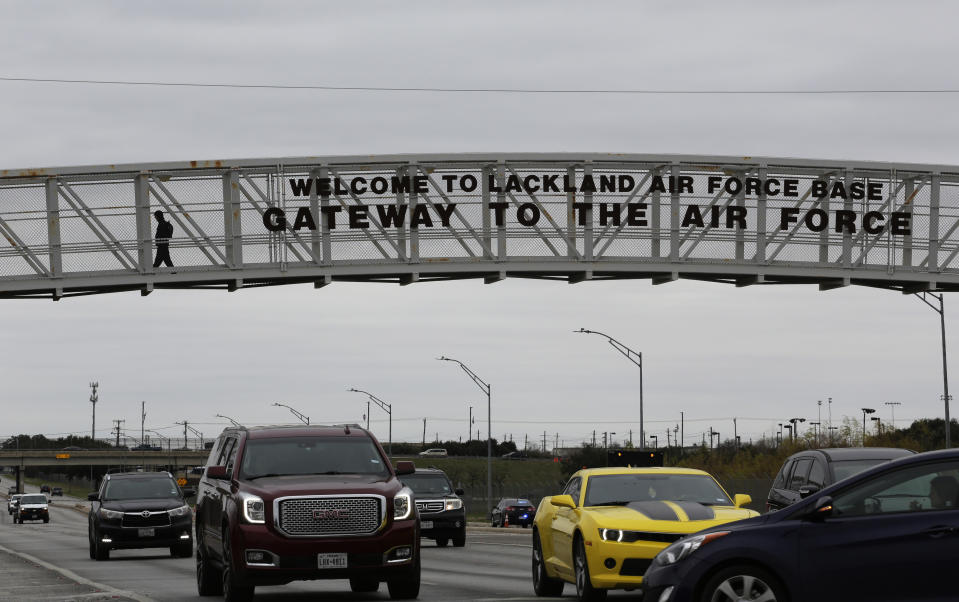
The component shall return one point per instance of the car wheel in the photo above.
(364, 584)
(208, 579)
(93, 550)
(459, 540)
(442, 541)
(406, 586)
(743, 582)
(100, 550)
(585, 592)
(543, 584)
(235, 589)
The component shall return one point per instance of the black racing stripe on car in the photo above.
(654, 510)
(696, 511)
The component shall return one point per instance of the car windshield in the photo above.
(311, 455)
(425, 484)
(847, 468)
(33, 499)
(141, 489)
(620, 489)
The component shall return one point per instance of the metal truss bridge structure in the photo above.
(405, 218)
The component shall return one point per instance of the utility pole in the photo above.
(544, 442)
(630, 437)
(735, 434)
(594, 438)
(556, 442)
(186, 425)
(682, 432)
(469, 425)
(892, 406)
(116, 427)
(93, 403)
(819, 419)
(667, 438)
(143, 417)
(424, 433)
(525, 440)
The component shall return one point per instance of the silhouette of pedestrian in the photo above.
(163, 235)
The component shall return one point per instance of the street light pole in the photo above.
(235, 423)
(941, 310)
(892, 406)
(864, 412)
(303, 417)
(486, 388)
(388, 408)
(637, 358)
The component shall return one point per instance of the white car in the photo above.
(32, 506)
(12, 502)
(434, 452)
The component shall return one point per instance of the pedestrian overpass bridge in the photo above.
(405, 218)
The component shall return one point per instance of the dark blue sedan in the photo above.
(888, 534)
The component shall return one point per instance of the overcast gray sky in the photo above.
(763, 354)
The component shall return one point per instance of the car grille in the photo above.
(154, 519)
(329, 516)
(430, 506)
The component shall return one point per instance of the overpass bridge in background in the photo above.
(175, 458)
(68, 231)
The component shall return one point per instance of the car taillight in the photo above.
(510, 508)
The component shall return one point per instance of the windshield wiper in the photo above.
(269, 474)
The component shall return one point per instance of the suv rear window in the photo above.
(311, 455)
(33, 499)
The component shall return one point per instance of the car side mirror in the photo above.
(458, 491)
(807, 490)
(216, 472)
(562, 501)
(405, 467)
(741, 499)
(189, 492)
(821, 508)
(92, 497)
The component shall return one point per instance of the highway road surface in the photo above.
(494, 566)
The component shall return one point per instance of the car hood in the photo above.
(273, 487)
(140, 505)
(666, 516)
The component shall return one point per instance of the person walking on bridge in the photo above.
(163, 236)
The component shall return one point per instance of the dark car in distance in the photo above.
(44, 489)
(512, 511)
(808, 471)
(140, 510)
(57, 491)
(885, 534)
(442, 515)
(278, 504)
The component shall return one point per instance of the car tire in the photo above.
(364, 584)
(406, 586)
(585, 592)
(100, 551)
(182, 550)
(442, 541)
(209, 582)
(459, 540)
(235, 589)
(93, 550)
(752, 581)
(543, 584)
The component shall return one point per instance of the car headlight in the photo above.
(611, 534)
(454, 504)
(181, 511)
(254, 510)
(110, 514)
(403, 504)
(684, 547)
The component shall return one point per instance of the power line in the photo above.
(430, 89)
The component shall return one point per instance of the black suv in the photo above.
(806, 472)
(286, 503)
(442, 515)
(140, 510)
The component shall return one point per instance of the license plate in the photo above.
(146, 532)
(426, 524)
(331, 561)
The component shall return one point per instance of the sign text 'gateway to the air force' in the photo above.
(423, 215)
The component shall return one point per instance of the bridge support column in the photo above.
(18, 475)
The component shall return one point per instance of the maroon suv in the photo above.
(279, 504)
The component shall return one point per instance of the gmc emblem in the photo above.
(328, 514)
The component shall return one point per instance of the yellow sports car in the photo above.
(605, 528)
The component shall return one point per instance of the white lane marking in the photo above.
(514, 545)
(74, 577)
